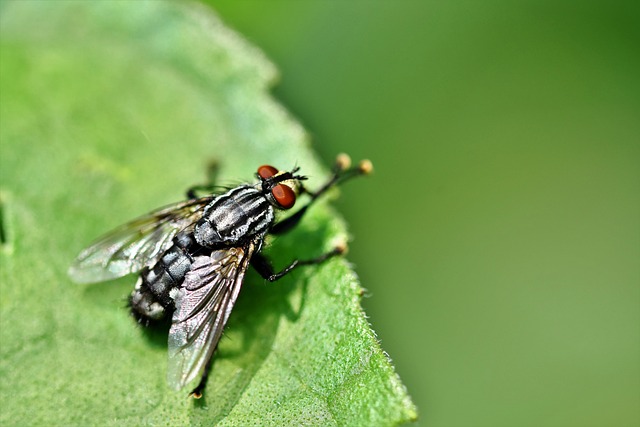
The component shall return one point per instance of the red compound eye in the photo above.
(266, 171)
(284, 195)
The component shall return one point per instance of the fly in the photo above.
(192, 257)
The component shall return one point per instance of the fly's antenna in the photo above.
(285, 176)
(297, 177)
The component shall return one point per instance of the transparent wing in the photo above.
(131, 247)
(203, 305)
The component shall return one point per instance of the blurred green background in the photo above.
(499, 238)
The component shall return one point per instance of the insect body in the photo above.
(192, 258)
(236, 219)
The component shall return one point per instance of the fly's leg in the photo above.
(196, 393)
(342, 171)
(212, 173)
(264, 267)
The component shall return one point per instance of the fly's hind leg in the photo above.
(213, 168)
(342, 171)
(196, 393)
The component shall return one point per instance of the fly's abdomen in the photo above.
(234, 217)
(231, 219)
(168, 273)
(152, 294)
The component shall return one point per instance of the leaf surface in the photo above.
(109, 110)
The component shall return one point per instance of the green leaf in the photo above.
(108, 110)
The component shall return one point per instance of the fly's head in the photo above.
(279, 187)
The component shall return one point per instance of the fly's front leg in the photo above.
(342, 171)
(264, 267)
(212, 173)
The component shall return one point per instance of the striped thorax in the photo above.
(234, 217)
